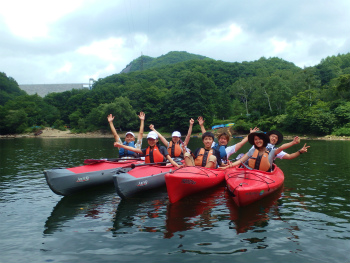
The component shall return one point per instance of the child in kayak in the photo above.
(129, 137)
(260, 157)
(174, 147)
(154, 153)
(223, 139)
(275, 138)
(206, 156)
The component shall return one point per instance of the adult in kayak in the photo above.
(205, 156)
(223, 140)
(154, 153)
(260, 157)
(275, 138)
(174, 147)
(129, 137)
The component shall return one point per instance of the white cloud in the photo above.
(279, 46)
(66, 68)
(107, 49)
(31, 19)
(73, 40)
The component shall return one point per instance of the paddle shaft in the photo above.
(144, 164)
(89, 161)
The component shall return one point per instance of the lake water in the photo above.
(307, 221)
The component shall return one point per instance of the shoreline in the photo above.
(54, 133)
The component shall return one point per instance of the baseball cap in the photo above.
(176, 134)
(129, 132)
(152, 135)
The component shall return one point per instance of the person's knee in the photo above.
(212, 158)
(188, 159)
(211, 162)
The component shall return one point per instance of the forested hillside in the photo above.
(146, 62)
(270, 93)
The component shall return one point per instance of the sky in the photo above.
(71, 41)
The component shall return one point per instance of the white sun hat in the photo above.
(152, 135)
(176, 134)
(129, 132)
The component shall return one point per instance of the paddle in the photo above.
(144, 164)
(90, 161)
(242, 163)
(239, 156)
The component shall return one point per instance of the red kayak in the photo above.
(247, 186)
(192, 179)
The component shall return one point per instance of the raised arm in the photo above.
(188, 136)
(201, 123)
(284, 146)
(110, 119)
(296, 154)
(142, 117)
(161, 137)
(241, 143)
(119, 145)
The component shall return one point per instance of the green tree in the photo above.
(242, 90)
(343, 86)
(194, 96)
(9, 89)
(125, 116)
(16, 121)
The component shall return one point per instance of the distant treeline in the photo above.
(269, 93)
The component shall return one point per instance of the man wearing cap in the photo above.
(154, 153)
(129, 137)
(174, 147)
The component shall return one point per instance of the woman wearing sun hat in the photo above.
(174, 147)
(260, 157)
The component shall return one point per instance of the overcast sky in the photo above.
(71, 41)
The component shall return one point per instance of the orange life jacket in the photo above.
(153, 155)
(264, 162)
(175, 150)
(203, 157)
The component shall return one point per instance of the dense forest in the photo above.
(270, 93)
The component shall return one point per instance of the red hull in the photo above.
(190, 180)
(247, 186)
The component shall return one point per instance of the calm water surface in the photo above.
(307, 221)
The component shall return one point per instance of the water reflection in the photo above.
(194, 211)
(90, 204)
(203, 210)
(135, 213)
(255, 215)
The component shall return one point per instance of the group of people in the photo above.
(212, 155)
